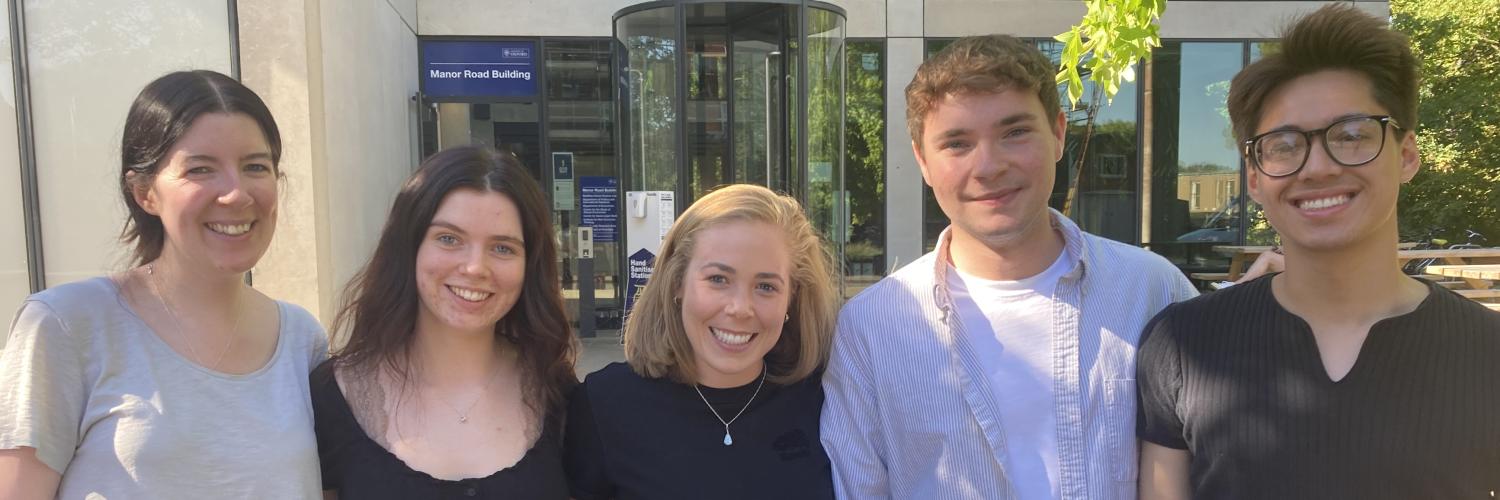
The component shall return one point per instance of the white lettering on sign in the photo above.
(494, 74)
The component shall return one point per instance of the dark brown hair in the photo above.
(980, 65)
(1334, 37)
(160, 115)
(379, 314)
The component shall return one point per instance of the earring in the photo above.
(788, 318)
(677, 300)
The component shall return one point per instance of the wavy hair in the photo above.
(381, 303)
(1334, 37)
(656, 343)
(980, 65)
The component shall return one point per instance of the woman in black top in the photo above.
(725, 347)
(459, 354)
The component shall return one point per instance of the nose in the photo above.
(988, 160)
(234, 194)
(474, 263)
(1319, 164)
(738, 305)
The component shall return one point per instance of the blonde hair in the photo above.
(656, 344)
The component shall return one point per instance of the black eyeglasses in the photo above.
(1350, 142)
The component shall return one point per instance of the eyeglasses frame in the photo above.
(1254, 157)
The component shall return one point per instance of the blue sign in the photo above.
(454, 68)
(638, 271)
(599, 206)
(562, 166)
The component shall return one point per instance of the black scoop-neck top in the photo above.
(359, 468)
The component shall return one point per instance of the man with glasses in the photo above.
(1340, 377)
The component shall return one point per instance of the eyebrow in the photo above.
(454, 228)
(729, 269)
(1024, 116)
(248, 157)
(1336, 119)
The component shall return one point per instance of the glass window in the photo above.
(75, 47)
(707, 111)
(933, 218)
(580, 122)
(649, 53)
(864, 164)
(14, 275)
(825, 126)
(1193, 145)
(1258, 230)
(1100, 192)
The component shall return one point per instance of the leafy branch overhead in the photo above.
(1113, 35)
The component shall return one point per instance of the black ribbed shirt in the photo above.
(1237, 381)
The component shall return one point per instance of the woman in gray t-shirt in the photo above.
(172, 379)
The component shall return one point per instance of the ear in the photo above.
(1253, 181)
(143, 195)
(916, 150)
(1411, 159)
(1060, 130)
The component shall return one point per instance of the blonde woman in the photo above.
(721, 394)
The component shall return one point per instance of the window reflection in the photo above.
(1196, 176)
(649, 53)
(864, 164)
(580, 121)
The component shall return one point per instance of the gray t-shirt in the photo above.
(106, 402)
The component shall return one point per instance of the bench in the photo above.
(1479, 294)
(1209, 276)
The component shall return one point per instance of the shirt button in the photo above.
(470, 492)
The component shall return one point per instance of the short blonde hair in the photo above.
(656, 344)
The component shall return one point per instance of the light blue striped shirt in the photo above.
(909, 412)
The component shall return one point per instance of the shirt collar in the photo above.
(1076, 253)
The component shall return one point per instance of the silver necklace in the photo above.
(463, 416)
(727, 439)
(233, 331)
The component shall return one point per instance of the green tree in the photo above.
(1458, 129)
(864, 144)
(1104, 47)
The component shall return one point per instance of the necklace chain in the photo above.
(729, 440)
(463, 416)
(234, 330)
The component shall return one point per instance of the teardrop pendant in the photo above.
(728, 440)
(463, 419)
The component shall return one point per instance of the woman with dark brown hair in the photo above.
(172, 378)
(459, 355)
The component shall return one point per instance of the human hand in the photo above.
(1267, 262)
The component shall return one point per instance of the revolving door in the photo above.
(715, 93)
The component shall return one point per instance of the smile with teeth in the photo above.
(729, 337)
(469, 295)
(230, 229)
(1321, 203)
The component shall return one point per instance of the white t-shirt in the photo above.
(107, 403)
(1011, 325)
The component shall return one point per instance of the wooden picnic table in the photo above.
(1478, 276)
(1241, 255)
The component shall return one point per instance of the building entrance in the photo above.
(715, 93)
(550, 104)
